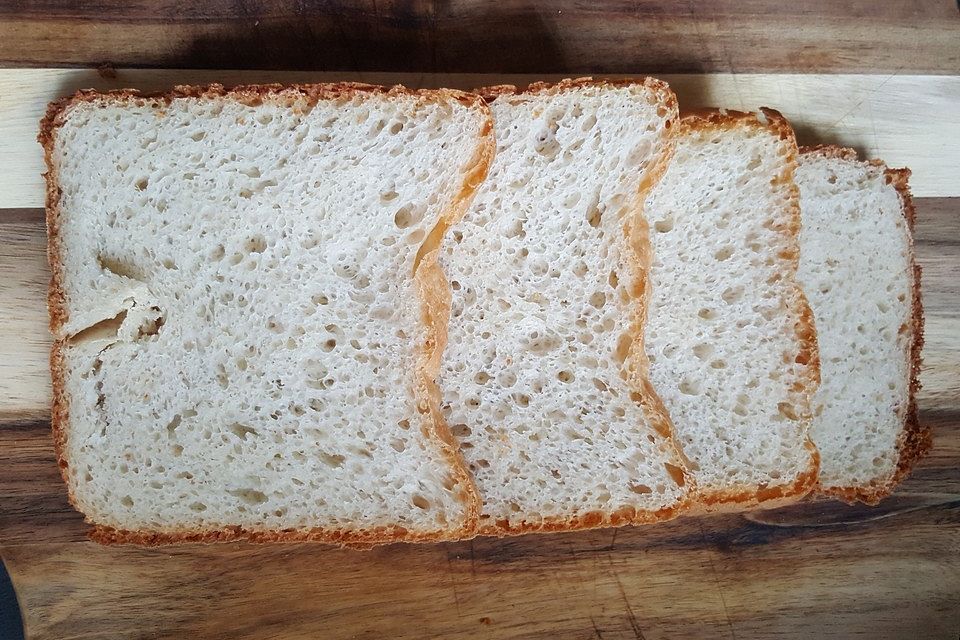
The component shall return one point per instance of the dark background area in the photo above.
(503, 36)
(11, 627)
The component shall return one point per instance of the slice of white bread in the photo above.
(858, 271)
(248, 310)
(729, 334)
(542, 376)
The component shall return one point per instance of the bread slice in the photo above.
(541, 378)
(858, 271)
(729, 334)
(248, 311)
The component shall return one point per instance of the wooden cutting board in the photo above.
(818, 569)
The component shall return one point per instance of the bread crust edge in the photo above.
(914, 440)
(476, 168)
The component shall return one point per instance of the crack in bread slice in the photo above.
(729, 334)
(248, 310)
(542, 376)
(858, 271)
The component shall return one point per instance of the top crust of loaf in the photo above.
(915, 440)
(492, 92)
(735, 498)
(433, 287)
(638, 245)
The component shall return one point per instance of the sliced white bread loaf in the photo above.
(248, 310)
(858, 271)
(542, 376)
(729, 334)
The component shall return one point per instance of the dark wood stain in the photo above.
(508, 36)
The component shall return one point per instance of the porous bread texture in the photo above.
(729, 335)
(542, 376)
(858, 271)
(246, 303)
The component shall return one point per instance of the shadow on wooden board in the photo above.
(506, 36)
(407, 37)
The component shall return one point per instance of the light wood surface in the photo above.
(906, 120)
(506, 36)
(820, 569)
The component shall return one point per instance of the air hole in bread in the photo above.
(545, 141)
(420, 502)
(120, 267)
(676, 473)
(689, 387)
(624, 342)
(250, 497)
(663, 226)
(787, 411)
(732, 294)
(723, 253)
(403, 218)
(703, 350)
(707, 314)
(126, 501)
(594, 216)
(461, 431)
(242, 431)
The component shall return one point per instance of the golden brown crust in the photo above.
(491, 93)
(424, 274)
(435, 302)
(744, 497)
(592, 520)
(914, 440)
(636, 238)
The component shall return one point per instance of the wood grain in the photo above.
(719, 577)
(906, 120)
(819, 569)
(509, 36)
